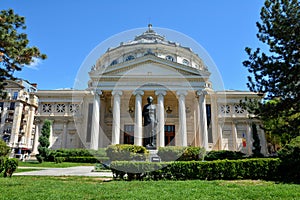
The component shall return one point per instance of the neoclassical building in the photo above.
(109, 111)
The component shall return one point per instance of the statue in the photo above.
(149, 114)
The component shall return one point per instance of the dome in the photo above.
(150, 43)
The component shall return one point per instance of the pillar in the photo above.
(220, 135)
(182, 117)
(36, 137)
(28, 132)
(160, 117)
(203, 118)
(95, 120)
(16, 124)
(234, 135)
(65, 135)
(116, 117)
(138, 126)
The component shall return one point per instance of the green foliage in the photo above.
(259, 168)
(14, 49)
(126, 152)
(86, 159)
(44, 152)
(256, 143)
(172, 153)
(4, 149)
(290, 157)
(8, 166)
(276, 72)
(224, 154)
(59, 160)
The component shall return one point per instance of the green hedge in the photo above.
(263, 168)
(126, 152)
(224, 154)
(86, 159)
(172, 153)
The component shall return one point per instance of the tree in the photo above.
(256, 142)
(276, 72)
(14, 49)
(43, 147)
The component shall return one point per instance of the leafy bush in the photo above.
(4, 149)
(259, 168)
(224, 154)
(86, 159)
(59, 160)
(126, 152)
(170, 153)
(44, 152)
(290, 157)
(8, 166)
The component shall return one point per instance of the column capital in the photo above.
(181, 92)
(201, 92)
(138, 92)
(160, 92)
(117, 93)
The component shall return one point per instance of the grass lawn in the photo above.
(52, 164)
(93, 188)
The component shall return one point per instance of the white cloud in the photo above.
(34, 64)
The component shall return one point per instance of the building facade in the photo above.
(188, 111)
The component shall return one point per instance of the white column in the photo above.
(51, 134)
(36, 137)
(138, 126)
(116, 117)
(161, 118)
(220, 135)
(203, 118)
(95, 121)
(16, 124)
(249, 140)
(234, 135)
(3, 116)
(182, 117)
(28, 132)
(65, 135)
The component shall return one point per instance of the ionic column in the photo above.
(203, 118)
(65, 135)
(116, 117)
(220, 136)
(16, 124)
(36, 137)
(95, 120)
(28, 132)
(234, 134)
(182, 117)
(3, 116)
(161, 117)
(51, 134)
(138, 126)
(249, 136)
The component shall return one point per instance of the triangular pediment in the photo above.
(154, 66)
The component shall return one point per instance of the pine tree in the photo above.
(14, 49)
(276, 72)
(43, 147)
(256, 148)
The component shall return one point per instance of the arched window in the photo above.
(185, 62)
(130, 57)
(170, 58)
(114, 62)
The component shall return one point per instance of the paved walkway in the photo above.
(69, 171)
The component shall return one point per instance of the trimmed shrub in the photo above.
(172, 153)
(59, 160)
(86, 159)
(8, 166)
(4, 149)
(126, 152)
(224, 154)
(290, 157)
(263, 168)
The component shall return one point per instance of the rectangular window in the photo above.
(128, 134)
(12, 106)
(89, 123)
(15, 97)
(209, 125)
(169, 135)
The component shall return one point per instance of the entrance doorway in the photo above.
(128, 134)
(169, 135)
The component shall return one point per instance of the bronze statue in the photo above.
(149, 114)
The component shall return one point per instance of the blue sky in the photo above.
(68, 30)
